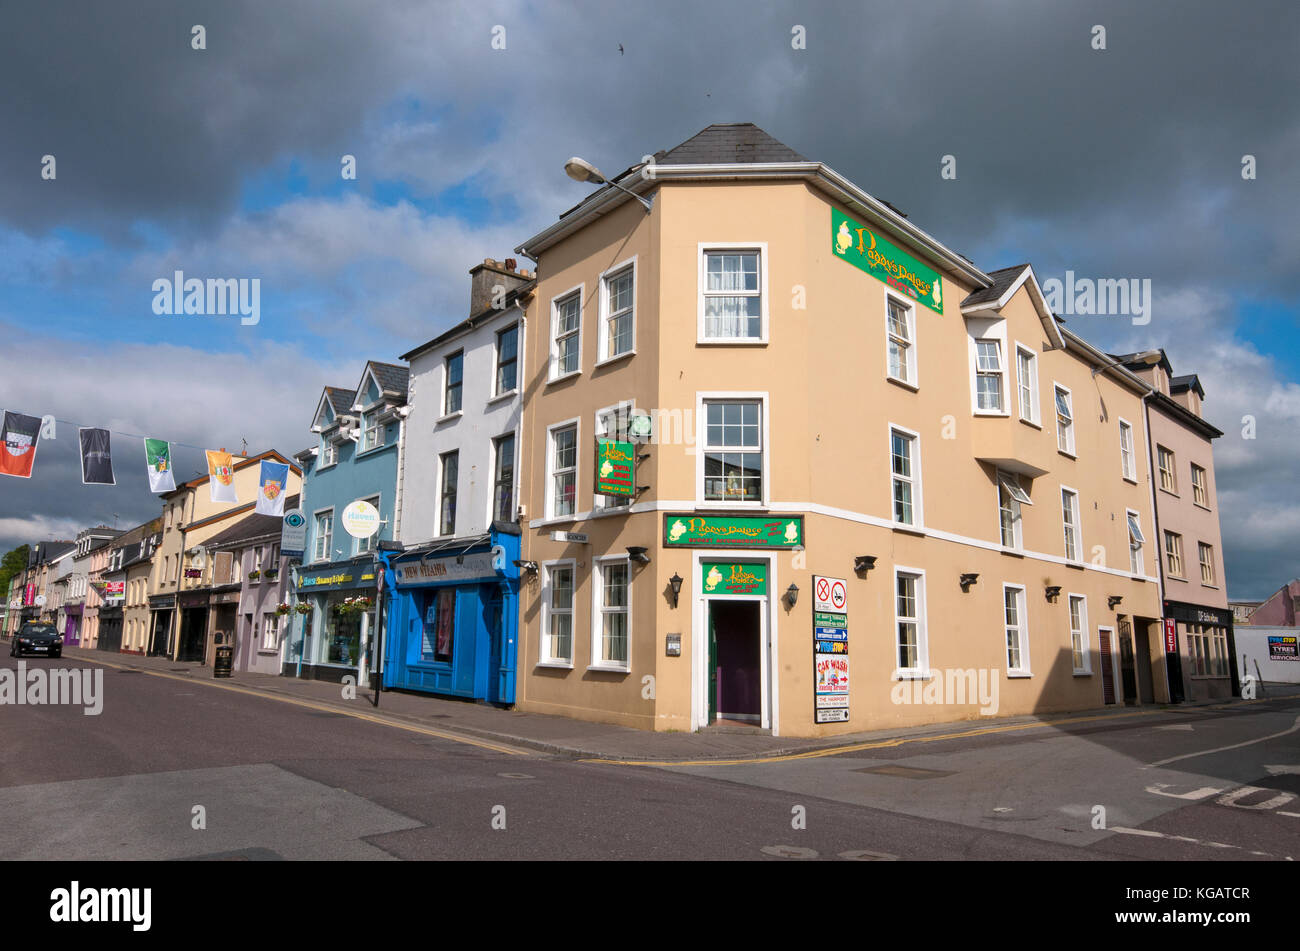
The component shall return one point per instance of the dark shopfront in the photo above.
(333, 640)
(1201, 651)
(110, 627)
(193, 636)
(161, 608)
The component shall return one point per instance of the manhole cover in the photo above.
(866, 855)
(906, 772)
(789, 851)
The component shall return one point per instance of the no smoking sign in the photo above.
(830, 594)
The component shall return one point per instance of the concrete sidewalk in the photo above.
(581, 739)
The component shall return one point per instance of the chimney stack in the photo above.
(485, 277)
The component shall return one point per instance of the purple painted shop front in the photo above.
(72, 625)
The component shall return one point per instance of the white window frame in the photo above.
(1137, 543)
(370, 423)
(1172, 471)
(514, 476)
(367, 544)
(598, 610)
(1201, 488)
(546, 658)
(329, 453)
(603, 503)
(918, 510)
(270, 632)
(910, 366)
(1009, 484)
(1085, 646)
(702, 399)
(496, 361)
(1068, 429)
(442, 478)
(553, 371)
(1076, 523)
(550, 500)
(316, 534)
(602, 345)
(1177, 554)
(764, 270)
(1127, 459)
(922, 668)
(1032, 416)
(1001, 374)
(446, 383)
(1201, 549)
(1021, 627)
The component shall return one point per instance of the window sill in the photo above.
(1075, 564)
(1083, 673)
(1013, 552)
(614, 359)
(906, 529)
(1130, 480)
(554, 665)
(606, 512)
(1066, 453)
(718, 504)
(914, 387)
(502, 397)
(608, 669)
(326, 465)
(448, 417)
(992, 413)
(1212, 587)
(563, 376)
(911, 674)
(373, 449)
(1172, 492)
(731, 342)
(1019, 674)
(1204, 508)
(1030, 422)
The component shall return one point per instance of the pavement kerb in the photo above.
(804, 749)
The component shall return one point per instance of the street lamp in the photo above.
(580, 170)
(1148, 357)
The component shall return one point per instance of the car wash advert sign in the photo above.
(866, 249)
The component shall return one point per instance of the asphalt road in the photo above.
(173, 769)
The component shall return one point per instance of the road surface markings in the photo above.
(877, 745)
(1174, 759)
(382, 721)
(1152, 834)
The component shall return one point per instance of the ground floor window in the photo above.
(344, 619)
(1208, 647)
(438, 616)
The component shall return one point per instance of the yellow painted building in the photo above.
(830, 393)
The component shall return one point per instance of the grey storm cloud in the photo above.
(1123, 162)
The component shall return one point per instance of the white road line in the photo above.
(1152, 834)
(1174, 759)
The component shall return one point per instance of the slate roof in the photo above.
(253, 526)
(1191, 381)
(1002, 279)
(392, 377)
(340, 399)
(725, 143)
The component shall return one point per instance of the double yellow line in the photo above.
(328, 708)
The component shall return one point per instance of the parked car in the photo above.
(37, 639)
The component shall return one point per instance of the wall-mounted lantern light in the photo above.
(968, 578)
(675, 582)
(792, 594)
(1112, 600)
(863, 563)
(1053, 591)
(638, 554)
(528, 567)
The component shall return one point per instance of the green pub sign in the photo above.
(722, 578)
(866, 249)
(733, 531)
(615, 468)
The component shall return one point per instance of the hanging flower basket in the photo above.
(282, 609)
(358, 605)
(303, 608)
(254, 575)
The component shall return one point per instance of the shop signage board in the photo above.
(445, 569)
(831, 681)
(830, 650)
(733, 531)
(868, 250)
(723, 578)
(615, 468)
(114, 590)
(360, 519)
(830, 596)
(293, 534)
(1282, 647)
(1171, 636)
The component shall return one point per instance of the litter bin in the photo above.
(224, 662)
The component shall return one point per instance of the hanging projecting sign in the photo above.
(724, 579)
(293, 534)
(867, 250)
(360, 519)
(615, 468)
(114, 590)
(733, 531)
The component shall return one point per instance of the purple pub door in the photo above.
(72, 629)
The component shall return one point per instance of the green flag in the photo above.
(159, 456)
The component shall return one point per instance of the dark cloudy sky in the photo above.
(1123, 162)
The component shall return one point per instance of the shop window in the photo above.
(439, 626)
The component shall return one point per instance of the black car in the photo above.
(37, 639)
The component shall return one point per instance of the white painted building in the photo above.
(460, 471)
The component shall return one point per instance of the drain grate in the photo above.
(906, 772)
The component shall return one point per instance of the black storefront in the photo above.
(192, 640)
(161, 608)
(110, 628)
(1190, 631)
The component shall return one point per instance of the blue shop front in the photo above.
(453, 621)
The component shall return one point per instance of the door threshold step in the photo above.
(735, 728)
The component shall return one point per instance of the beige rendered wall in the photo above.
(829, 409)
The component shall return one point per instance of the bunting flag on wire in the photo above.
(271, 484)
(221, 476)
(19, 436)
(158, 459)
(96, 457)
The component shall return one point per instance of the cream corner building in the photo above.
(818, 371)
